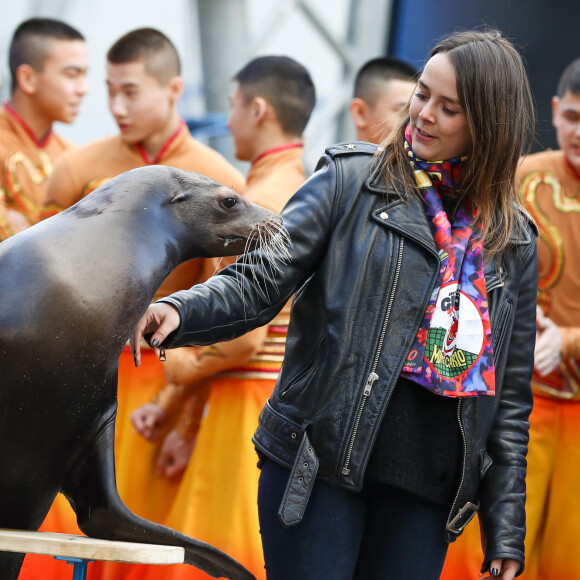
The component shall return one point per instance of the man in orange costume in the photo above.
(48, 61)
(382, 87)
(551, 190)
(550, 185)
(217, 499)
(48, 64)
(144, 84)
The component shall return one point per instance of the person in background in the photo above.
(402, 404)
(48, 64)
(383, 86)
(550, 187)
(144, 86)
(216, 502)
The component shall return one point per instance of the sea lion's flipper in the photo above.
(23, 511)
(10, 564)
(22, 507)
(102, 514)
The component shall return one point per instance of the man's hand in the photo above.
(161, 319)
(548, 351)
(174, 455)
(148, 420)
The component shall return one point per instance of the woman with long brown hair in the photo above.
(402, 406)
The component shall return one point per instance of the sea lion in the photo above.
(72, 288)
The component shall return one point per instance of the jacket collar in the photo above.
(416, 218)
(402, 212)
(407, 216)
(376, 181)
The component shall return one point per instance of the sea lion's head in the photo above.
(225, 223)
(198, 216)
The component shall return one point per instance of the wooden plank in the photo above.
(70, 546)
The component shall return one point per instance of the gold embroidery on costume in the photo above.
(94, 184)
(548, 231)
(569, 385)
(5, 226)
(14, 192)
(564, 203)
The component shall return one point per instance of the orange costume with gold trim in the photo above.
(551, 192)
(26, 164)
(77, 174)
(217, 498)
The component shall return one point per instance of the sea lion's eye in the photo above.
(229, 202)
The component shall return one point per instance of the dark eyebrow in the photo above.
(128, 85)
(74, 67)
(454, 101)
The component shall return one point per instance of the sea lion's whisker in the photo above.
(217, 268)
(271, 243)
(266, 251)
(258, 264)
(253, 256)
(277, 248)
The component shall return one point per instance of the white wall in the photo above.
(102, 22)
(273, 27)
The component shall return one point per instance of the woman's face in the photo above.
(439, 128)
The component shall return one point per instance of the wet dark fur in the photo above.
(72, 289)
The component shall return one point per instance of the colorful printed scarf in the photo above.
(452, 354)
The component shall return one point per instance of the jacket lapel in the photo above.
(402, 211)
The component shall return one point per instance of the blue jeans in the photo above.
(380, 533)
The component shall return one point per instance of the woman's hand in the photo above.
(161, 319)
(503, 569)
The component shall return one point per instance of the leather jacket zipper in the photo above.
(463, 465)
(373, 377)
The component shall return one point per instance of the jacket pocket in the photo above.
(306, 372)
(485, 462)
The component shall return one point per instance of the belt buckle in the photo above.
(463, 517)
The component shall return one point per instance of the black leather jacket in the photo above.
(364, 266)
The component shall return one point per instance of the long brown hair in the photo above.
(494, 92)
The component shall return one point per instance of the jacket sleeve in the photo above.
(250, 293)
(503, 489)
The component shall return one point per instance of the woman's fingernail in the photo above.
(494, 572)
(155, 342)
